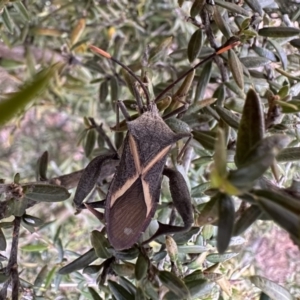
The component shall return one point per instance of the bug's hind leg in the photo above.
(182, 202)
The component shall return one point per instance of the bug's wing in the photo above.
(128, 217)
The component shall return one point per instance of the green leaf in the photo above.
(174, 284)
(198, 191)
(90, 142)
(252, 127)
(46, 192)
(281, 198)
(114, 88)
(195, 44)
(270, 288)
(216, 258)
(264, 52)
(278, 31)
(103, 91)
(225, 223)
(19, 6)
(2, 241)
(42, 166)
(7, 20)
(247, 218)
(35, 247)
(203, 81)
(100, 244)
(79, 263)
(289, 154)
(283, 217)
(160, 51)
(210, 212)
(232, 7)
(236, 68)
(94, 294)
(255, 6)
(197, 8)
(220, 156)
(221, 24)
(124, 269)
(192, 249)
(119, 292)
(11, 106)
(205, 138)
(141, 267)
(252, 62)
(281, 52)
(228, 117)
(40, 278)
(258, 160)
(199, 289)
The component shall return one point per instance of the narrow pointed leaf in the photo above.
(206, 140)
(216, 257)
(119, 292)
(11, 106)
(100, 244)
(252, 62)
(209, 213)
(197, 7)
(252, 127)
(94, 294)
(270, 288)
(289, 154)
(79, 263)
(46, 192)
(248, 217)
(232, 7)
(283, 217)
(2, 241)
(264, 52)
(195, 44)
(228, 117)
(174, 284)
(141, 267)
(43, 166)
(278, 32)
(203, 81)
(90, 142)
(7, 20)
(236, 68)
(19, 6)
(255, 6)
(159, 51)
(103, 91)
(281, 53)
(225, 223)
(281, 198)
(221, 24)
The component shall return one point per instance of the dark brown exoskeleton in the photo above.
(134, 192)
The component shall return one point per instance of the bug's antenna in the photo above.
(229, 44)
(107, 55)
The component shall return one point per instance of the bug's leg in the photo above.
(90, 176)
(96, 204)
(99, 215)
(103, 135)
(182, 202)
(176, 111)
(180, 154)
